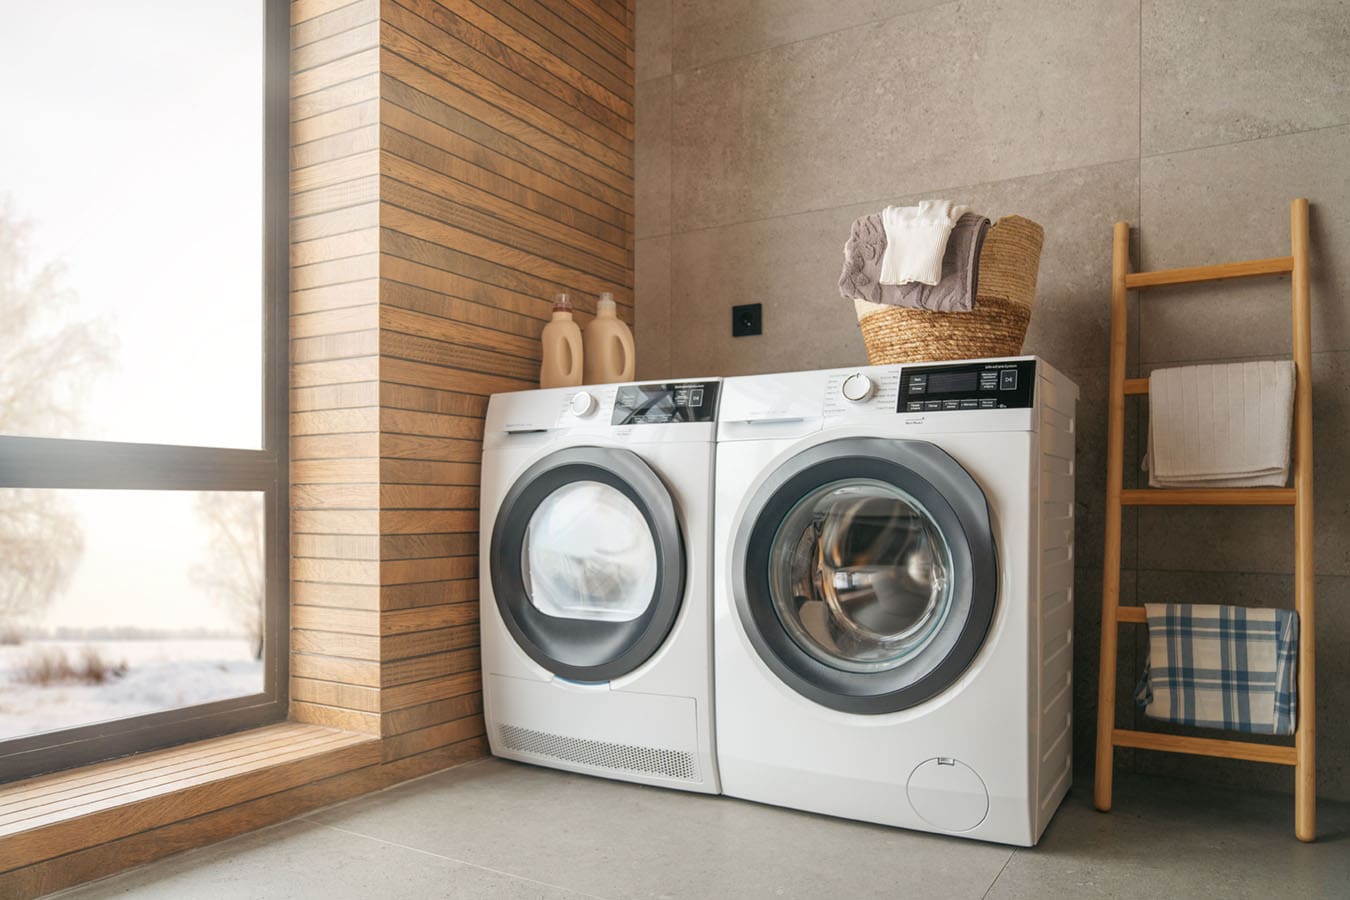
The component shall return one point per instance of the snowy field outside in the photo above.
(160, 674)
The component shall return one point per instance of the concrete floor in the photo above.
(498, 829)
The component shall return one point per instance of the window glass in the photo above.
(859, 575)
(120, 603)
(589, 555)
(131, 217)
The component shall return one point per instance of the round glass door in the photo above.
(587, 562)
(864, 573)
(588, 554)
(860, 575)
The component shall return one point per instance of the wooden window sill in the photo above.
(51, 817)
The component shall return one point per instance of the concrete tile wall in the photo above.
(764, 127)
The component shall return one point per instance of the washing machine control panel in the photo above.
(663, 404)
(1005, 384)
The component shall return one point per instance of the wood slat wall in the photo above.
(335, 364)
(456, 164)
(506, 175)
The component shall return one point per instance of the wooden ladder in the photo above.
(1301, 755)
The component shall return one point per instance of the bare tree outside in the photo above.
(233, 572)
(48, 357)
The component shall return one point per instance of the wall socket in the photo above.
(747, 320)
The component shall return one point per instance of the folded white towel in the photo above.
(1220, 425)
(916, 239)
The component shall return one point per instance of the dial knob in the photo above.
(858, 387)
(582, 403)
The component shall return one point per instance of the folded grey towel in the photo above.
(955, 292)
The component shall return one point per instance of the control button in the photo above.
(932, 405)
(970, 404)
(990, 403)
(857, 387)
(914, 406)
(582, 403)
(1007, 380)
(951, 404)
(989, 381)
(918, 387)
(696, 397)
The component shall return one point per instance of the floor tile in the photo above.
(623, 840)
(300, 860)
(1167, 838)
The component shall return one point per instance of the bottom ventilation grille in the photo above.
(602, 754)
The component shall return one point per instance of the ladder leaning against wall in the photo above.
(1301, 755)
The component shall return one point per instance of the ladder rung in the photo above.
(1132, 614)
(1136, 386)
(1274, 266)
(1259, 496)
(1175, 743)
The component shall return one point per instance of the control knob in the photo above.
(858, 387)
(582, 403)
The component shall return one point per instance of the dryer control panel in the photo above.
(663, 404)
(1005, 384)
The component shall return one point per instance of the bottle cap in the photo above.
(562, 303)
(606, 303)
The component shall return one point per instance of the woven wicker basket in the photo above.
(997, 325)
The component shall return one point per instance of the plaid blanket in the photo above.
(1221, 667)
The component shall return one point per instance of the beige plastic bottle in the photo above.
(609, 355)
(561, 363)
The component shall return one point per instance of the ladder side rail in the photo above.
(1115, 450)
(1305, 772)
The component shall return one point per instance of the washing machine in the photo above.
(595, 572)
(893, 616)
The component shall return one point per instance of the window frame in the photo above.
(57, 463)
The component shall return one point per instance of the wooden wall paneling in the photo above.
(454, 164)
(335, 411)
(505, 176)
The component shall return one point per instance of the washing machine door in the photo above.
(588, 562)
(865, 573)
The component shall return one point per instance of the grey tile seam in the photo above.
(1001, 869)
(1265, 137)
(871, 23)
(463, 862)
(309, 816)
(1130, 524)
(667, 339)
(1148, 570)
(943, 189)
(1328, 351)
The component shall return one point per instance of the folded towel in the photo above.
(916, 239)
(1220, 425)
(954, 292)
(1221, 667)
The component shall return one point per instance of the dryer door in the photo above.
(588, 562)
(865, 573)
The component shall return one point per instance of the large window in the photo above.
(143, 282)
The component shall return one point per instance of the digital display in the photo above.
(952, 382)
(662, 404)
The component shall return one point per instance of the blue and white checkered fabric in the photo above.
(1221, 667)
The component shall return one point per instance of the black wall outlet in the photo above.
(747, 320)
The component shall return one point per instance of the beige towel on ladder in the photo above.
(1220, 425)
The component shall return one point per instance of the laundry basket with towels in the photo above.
(1003, 285)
